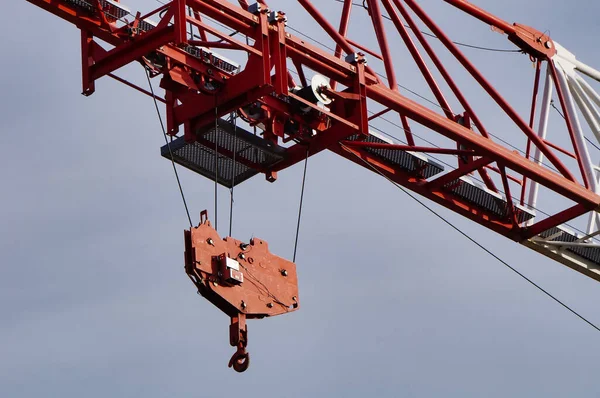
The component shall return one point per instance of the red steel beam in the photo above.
(377, 19)
(486, 147)
(497, 170)
(443, 71)
(247, 86)
(560, 149)
(556, 219)
(141, 90)
(455, 174)
(536, 85)
(414, 51)
(438, 195)
(344, 22)
(377, 145)
(365, 49)
(568, 121)
(132, 51)
(509, 201)
(483, 15)
(330, 30)
(489, 89)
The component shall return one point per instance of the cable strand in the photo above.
(216, 162)
(464, 234)
(234, 121)
(162, 125)
(500, 50)
(300, 206)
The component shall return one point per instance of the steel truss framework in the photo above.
(334, 114)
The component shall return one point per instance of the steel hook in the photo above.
(240, 360)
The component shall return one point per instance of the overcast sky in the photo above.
(94, 301)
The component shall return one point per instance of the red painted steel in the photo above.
(244, 280)
(536, 86)
(568, 120)
(263, 93)
(445, 151)
(493, 93)
(344, 21)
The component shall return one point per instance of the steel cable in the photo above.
(162, 125)
(464, 234)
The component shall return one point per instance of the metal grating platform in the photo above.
(210, 57)
(86, 6)
(252, 154)
(492, 202)
(146, 25)
(114, 9)
(111, 8)
(561, 234)
(411, 162)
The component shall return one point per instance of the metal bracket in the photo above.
(244, 280)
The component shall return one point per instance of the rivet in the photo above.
(284, 272)
(270, 305)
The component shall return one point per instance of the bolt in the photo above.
(548, 44)
(210, 242)
(215, 283)
(270, 305)
(295, 298)
(284, 272)
(243, 305)
(242, 256)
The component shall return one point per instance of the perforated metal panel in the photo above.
(410, 162)
(252, 154)
(492, 202)
(114, 9)
(146, 25)
(111, 8)
(215, 59)
(83, 5)
(560, 234)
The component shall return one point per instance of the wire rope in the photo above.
(162, 125)
(473, 240)
(300, 206)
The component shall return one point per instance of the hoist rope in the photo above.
(500, 50)
(162, 125)
(234, 121)
(216, 162)
(464, 234)
(300, 206)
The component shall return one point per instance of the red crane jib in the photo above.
(336, 103)
(244, 280)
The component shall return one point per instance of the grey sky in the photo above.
(94, 301)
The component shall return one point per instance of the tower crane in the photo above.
(262, 99)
